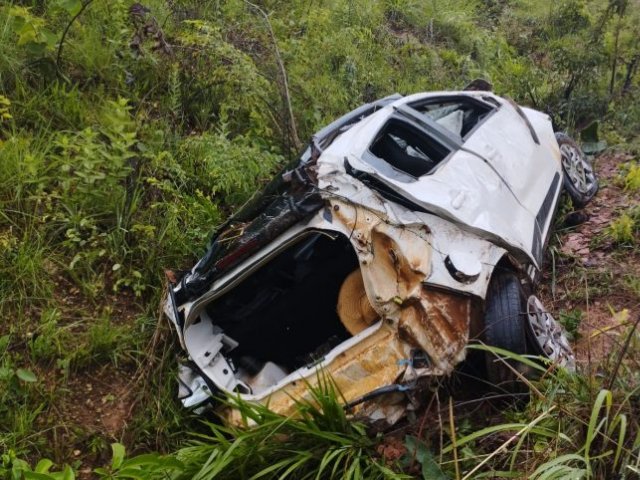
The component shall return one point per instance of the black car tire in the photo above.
(580, 180)
(505, 327)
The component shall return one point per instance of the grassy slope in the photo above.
(123, 148)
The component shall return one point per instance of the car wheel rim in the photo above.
(577, 168)
(549, 335)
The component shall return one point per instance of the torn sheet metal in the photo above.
(395, 262)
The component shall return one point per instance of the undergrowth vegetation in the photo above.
(129, 130)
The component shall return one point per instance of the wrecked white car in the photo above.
(408, 227)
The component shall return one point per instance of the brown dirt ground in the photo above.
(95, 407)
(590, 271)
(94, 404)
(98, 401)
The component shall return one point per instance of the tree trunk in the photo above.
(632, 69)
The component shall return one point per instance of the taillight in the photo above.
(236, 256)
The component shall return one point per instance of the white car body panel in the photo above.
(463, 187)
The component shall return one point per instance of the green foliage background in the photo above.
(129, 130)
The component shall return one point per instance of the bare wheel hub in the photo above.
(549, 335)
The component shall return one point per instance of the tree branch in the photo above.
(66, 30)
(293, 131)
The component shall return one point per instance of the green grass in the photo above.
(574, 426)
(121, 156)
(321, 442)
(625, 229)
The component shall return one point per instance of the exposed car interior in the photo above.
(285, 315)
(408, 149)
(411, 150)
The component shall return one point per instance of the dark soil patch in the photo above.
(98, 401)
(94, 410)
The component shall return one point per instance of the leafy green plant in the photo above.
(15, 468)
(230, 168)
(19, 385)
(129, 130)
(31, 31)
(429, 466)
(571, 320)
(632, 178)
(622, 229)
(149, 466)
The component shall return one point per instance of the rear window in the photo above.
(408, 149)
(459, 116)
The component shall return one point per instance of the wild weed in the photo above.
(573, 426)
(632, 178)
(623, 230)
(319, 441)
